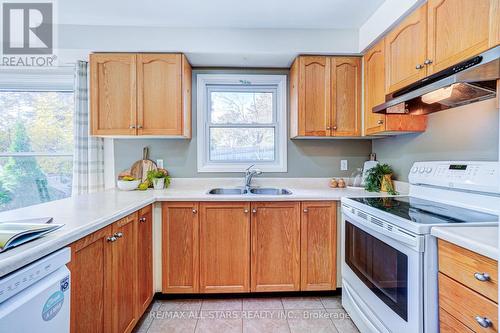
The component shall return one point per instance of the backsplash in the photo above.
(306, 158)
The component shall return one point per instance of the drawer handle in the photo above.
(484, 322)
(483, 277)
(111, 239)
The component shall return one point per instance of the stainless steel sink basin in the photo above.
(257, 190)
(228, 191)
(270, 191)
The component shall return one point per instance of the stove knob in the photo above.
(421, 169)
(428, 170)
(414, 169)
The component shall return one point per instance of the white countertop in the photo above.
(482, 240)
(82, 215)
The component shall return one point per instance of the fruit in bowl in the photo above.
(128, 183)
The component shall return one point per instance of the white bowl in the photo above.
(128, 185)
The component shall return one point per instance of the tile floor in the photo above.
(259, 315)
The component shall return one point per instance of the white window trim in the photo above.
(203, 80)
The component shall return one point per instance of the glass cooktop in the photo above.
(426, 212)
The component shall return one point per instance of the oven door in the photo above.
(382, 277)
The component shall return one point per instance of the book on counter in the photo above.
(14, 233)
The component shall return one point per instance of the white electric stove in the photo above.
(389, 258)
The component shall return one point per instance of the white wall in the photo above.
(208, 47)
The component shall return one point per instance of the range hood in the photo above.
(470, 81)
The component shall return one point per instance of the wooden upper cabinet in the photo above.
(180, 241)
(224, 247)
(275, 262)
(346, 96)
(458, 30)
(140, 94)
(495, 23)
(90, 283)
(374, 92)
(113, 94)
(310, 77)
(318, 246)
(325, 96)
(145, 290)
(406, 50)
(124, 274)
(162, 82)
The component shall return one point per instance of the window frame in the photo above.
(207, 83)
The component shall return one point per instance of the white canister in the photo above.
(158, 183)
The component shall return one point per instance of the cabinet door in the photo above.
(374, 68)
(405, 51)
(314, 96)
(113, 94)
(144, 259)
(160, 92)
(224, 247)
(91, 284)
(318, 246)
(180, 267)
(495, 23)
(124, 274)
(275, 264)
(457, 30)
(346, 96)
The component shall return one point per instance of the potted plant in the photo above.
(379, 178)
(159, 179)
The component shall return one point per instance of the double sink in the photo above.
(244, 191)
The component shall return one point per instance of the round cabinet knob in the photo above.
(195, 211)
(334, 128)
(254, 210)
(380, 122)
(118, 235)
(427, 62)
(419, 66)
(483, 277)
(328, 128)
(484, 322)
(306, 210)
(139, 126)
(246, 211)
(131, 127)
(142, 219)
(111, 239)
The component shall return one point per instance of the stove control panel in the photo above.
(471, 176)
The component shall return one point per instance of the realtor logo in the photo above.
(28, 33)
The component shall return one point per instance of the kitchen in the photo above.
(322, 167)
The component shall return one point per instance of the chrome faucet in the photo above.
(249, 174)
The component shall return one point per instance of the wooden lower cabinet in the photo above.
(91, 283)
(224, 247)
(275, 263)
(145, 290)
(318, 246)
(107, 276)
(124, 274)
(180, 242)
(468, 290)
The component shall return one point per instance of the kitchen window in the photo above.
(36, 136)
(241, 122)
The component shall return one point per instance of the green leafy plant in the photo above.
(159, 173)
(374, 178)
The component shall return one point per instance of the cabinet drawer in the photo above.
(464, 265)
(465, 305)
(449, 324)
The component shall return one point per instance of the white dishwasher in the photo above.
(36, 298)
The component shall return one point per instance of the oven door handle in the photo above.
(415, 242)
